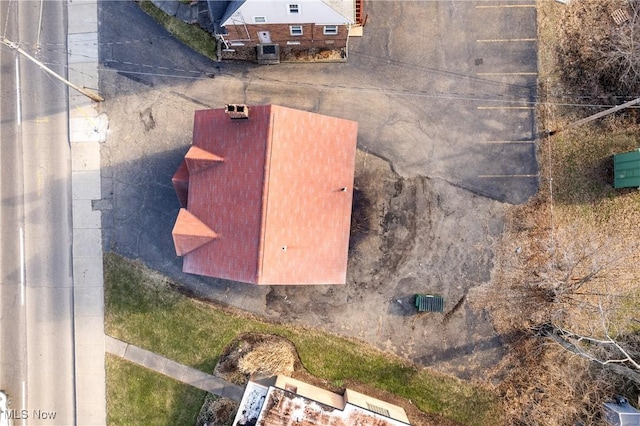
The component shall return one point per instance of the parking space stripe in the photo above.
(508, 176)
(508, 142)
(506, 73)
(505, 6)
(504, 40)
(506, 107)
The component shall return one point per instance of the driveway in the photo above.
(443, 90)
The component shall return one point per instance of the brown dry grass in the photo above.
(269, 359)
(577, 223)
(257, 354)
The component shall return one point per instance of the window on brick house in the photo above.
(293, 8)
(295, 30)
(259, 19)
(330, 30)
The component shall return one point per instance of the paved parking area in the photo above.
(461, 82)
(443, 90)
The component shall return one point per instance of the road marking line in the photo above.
(505, 73)
(22, 268)
(507, 176)
(500, 40)
(498, 6)
(506, 107)
(18, 95)
(507, 142)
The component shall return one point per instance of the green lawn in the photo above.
(143, 309)
(191, 35)
(137, 396)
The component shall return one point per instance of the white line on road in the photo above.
(499, 6)
(507, 142)
(22, 266)
(501, 40)
(506, 107)
(506, 73)
(507, 176)
(18, 106)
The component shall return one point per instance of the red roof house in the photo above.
(266, 196)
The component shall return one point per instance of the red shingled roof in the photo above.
(271, 195)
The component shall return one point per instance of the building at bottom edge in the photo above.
(282, 400)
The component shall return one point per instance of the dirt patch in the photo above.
(409, 236)
(313, 54)
(146, 117)
(217, 411)
(383, 220)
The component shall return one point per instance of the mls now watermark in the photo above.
(27, 414)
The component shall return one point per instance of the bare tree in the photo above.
(587, 311)
(570, 294)
(605, 352)
(597, 55)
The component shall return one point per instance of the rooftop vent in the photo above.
(237, 111)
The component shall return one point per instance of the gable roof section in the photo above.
(198, 159)
(228, 197)
(332, 12)
(279, 201)
(308, 215)
(232, 8)
(346, 8)
(180, 182)
(189, 233)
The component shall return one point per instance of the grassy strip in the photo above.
(137, 396)
(142, 309)
(191, 35)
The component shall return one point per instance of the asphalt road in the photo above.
(36, 330)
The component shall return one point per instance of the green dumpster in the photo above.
(429, 303)
(626, 169)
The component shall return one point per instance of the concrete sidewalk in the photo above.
(182, 373)
(87, 128)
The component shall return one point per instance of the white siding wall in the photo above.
(277, 12)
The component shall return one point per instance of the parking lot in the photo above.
(443, 90)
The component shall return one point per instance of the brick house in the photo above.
(266, 194)
(286, 23)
